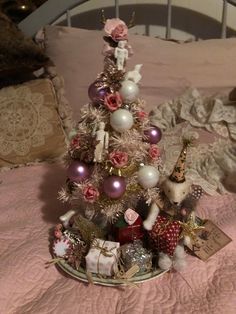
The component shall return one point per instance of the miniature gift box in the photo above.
(102, 257)
(165, 235)
(128, 228)
(135, 254)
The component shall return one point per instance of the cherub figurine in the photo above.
(102, 139)
(121, 54)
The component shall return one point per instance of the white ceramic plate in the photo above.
(80, 275)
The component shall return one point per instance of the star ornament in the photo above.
(190, 228)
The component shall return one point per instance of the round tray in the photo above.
(81, 275)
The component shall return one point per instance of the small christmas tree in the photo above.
(113, 159)
(113, 165)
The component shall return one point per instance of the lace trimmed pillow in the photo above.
(211, 162)
(34, 122)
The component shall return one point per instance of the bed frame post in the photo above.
(224, 19)
(117, 8)
(168, 28)
(68, 18)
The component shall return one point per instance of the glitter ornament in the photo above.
(121, 120)
(114, 186)
(97, 92)
(148, 176)
(153, 135)
(135, 254)
(129, 91)
(165, 235)
(78, 171)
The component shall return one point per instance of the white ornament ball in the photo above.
(129, 91)
(148, 177)
(121, 120)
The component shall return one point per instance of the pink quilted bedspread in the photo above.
(29, 209)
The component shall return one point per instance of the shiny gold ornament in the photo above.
(190, 228)
(126, 171)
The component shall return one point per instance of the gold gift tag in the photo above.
(208, 241)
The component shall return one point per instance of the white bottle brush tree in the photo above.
(113, 160)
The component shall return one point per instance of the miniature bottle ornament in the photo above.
(78, 171)
(129, 91)
(97, 93)
(114, 186)
(121, 120)
(153, 135)
(148, 177)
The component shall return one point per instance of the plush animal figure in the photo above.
(164, 231)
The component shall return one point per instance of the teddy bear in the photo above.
(164, 225)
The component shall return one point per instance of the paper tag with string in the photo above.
(208, 241)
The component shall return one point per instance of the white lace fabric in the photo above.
(30, 126)
(213, 156)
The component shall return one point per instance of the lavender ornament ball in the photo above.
(153, 135)
(114, 187)
(78, 171)
(97, 93)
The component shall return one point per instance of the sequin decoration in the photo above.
(135, 254)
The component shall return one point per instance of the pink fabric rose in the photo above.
(90, 193)
(116, 28)
(120, 32)
(154, 152)
(118, 159)
(130, 216)
(141, 115)
(113, 101)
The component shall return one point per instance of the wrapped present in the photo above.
(165, 235)
(102, 257)
(128, 228)
(135, 254)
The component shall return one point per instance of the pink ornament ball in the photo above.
(78, 171)
(153, 135)
(114, 186)
(97, 93)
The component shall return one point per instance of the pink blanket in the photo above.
(29, 209)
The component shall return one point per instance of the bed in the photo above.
(30, 207)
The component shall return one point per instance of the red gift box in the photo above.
(165, 235)
(128, 233)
